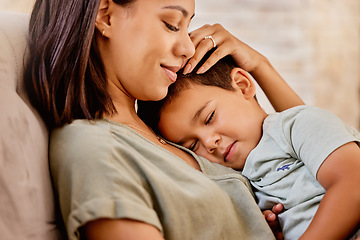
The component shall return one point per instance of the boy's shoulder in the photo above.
(305, 114)
(299, 110)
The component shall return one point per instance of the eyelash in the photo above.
(210, 118)
(192, 147)
(171, 27)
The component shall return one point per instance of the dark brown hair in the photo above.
(217, 76)
(64, 74)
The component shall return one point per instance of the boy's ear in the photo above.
(102, 22)
(242, 80)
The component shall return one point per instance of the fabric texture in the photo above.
(356, 235)
(103, 169)
(26, 201)
(283, 166)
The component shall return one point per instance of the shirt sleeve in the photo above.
(315, 133)
(96, 180)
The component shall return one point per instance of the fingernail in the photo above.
(201, 70)
(187, 69)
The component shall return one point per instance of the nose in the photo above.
(185, 47)
(211, 142)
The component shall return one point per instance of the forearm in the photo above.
(339, 211)
(279, 93)
(338, 214)
(108, 229)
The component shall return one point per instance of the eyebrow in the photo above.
(180, 8)
(198, 113)
(196, 116)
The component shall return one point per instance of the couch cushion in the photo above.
(26, 201)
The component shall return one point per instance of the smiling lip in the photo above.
(171, 72)
(229, 153)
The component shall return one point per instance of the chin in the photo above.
(156, 95)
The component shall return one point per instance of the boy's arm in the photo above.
(339, 211)
(280, 94)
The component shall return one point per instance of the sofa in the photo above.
(27, 203)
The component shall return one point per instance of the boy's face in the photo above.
(220, 125)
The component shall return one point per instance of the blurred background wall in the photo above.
(315, 45)
(16, 5)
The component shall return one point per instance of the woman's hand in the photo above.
(227, 44)
(280, 94)
(273, 221)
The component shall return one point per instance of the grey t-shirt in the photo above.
(101, 169)
(283, 166)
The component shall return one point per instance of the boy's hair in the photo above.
(217, 76)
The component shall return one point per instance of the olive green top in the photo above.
(103, 169)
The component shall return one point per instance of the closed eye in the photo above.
(193, 146)
(210, 118)
(171, 27)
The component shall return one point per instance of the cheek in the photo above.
(149, 42)
(165, 128)
(170, 127)
(202, 152)
(135, 46)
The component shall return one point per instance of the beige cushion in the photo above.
(27, 208)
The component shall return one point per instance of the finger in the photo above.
(198, 35)
(269, 216)
(220, 37)
(203, 43)
(278, 208)
(202, 48)
(224, 47)
(213, 58)
(207, 30)
(279, 235)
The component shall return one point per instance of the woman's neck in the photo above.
(125, 113)
(124, 105)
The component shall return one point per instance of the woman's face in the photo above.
(147, 44)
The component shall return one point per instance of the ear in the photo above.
(102, 22)
(242, 80)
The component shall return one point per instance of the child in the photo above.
(298, 157)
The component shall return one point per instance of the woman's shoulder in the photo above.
(89, 140)
(83, 131)
(74, 142)
(80, 132)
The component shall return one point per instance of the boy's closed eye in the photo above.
(209, 119)
(193, 147)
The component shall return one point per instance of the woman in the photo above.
(115, 179)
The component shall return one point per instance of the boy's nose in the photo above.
(212, 143)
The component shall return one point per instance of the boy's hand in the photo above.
(273, 221)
